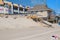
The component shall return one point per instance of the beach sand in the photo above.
(22, 28)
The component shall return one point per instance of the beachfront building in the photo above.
(26, 9)
(1, 7)
(40, 10)
(7, 7)
(21, 9)
(15, 8)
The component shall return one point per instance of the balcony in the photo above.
(15, 10)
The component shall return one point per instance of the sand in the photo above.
(30, 33)
(18, 22)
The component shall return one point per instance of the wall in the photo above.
(42, 14)
(6, 10)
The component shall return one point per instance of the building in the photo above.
(15, 8)
(1, 6)
(7, 7)
(41, 11)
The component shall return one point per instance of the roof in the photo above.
(15, 5)
(39, 8)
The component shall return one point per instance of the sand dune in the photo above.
(20, 22)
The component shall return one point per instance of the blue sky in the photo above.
(53, 4)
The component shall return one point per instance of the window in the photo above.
(31, 11)
(36, 11)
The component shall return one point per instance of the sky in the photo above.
(53, 4)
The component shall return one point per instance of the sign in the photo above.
(1, 9)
